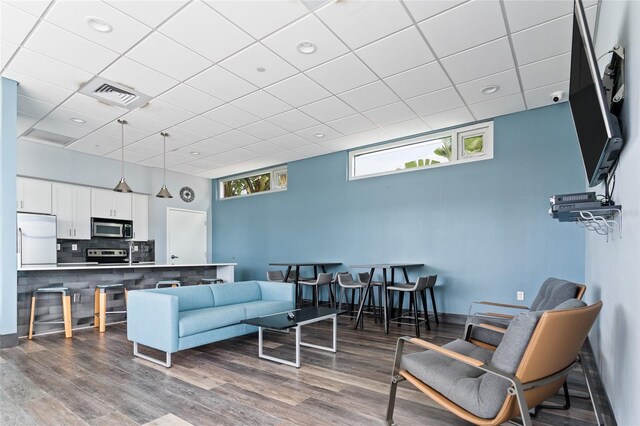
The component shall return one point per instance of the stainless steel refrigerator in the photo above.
(36, 240)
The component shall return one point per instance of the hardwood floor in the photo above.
(94, 379)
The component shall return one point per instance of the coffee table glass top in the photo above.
(282, 322)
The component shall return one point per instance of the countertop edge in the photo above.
(125, 266)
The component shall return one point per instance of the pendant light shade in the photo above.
(164, 192)
(122, 185)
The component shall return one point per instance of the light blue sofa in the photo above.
(172, 319)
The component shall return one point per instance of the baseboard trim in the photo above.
(453, 318)
(8, 340)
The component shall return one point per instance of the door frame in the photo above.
(206, 227)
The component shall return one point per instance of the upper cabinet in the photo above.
(140, 216)
(33, 195)
(72, 207)
(110, 204)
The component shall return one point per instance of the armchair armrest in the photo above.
(446, 352)
(152, 319)
(492, 328)
(501, 305)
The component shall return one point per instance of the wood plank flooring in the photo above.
(93, 379)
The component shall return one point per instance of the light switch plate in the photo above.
(520, 295)
(74, 247)
(135, 248)
(58, 247)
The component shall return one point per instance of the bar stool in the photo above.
(100, 304)
(212, 281)
(168, 283)
(66, 309)
(416, 291)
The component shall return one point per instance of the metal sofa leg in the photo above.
(166, 363)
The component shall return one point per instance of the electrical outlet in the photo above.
(135, 248)
(74, 247)
(76, 297)
(520, 295)
(58, 247)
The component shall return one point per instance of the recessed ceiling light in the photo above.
(261, 69)
(98, 24)
(319, 135)
(490, 89)
(194, 153)
(77, 120)
(306, 47)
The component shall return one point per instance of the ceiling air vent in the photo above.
(49, 138)
(114, 93)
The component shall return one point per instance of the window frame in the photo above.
(457, 135)
(274, 171)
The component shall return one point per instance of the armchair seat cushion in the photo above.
(201, 320)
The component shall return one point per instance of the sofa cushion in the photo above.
(189, 297)
(553, 292)
(200, 320)
(234, 293)
(266, 307)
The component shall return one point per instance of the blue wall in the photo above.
(482, 227)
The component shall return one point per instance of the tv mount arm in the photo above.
(613, 80)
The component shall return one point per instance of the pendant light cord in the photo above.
(164, 159)
(122, 139)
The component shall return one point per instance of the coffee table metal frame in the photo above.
(299, 342)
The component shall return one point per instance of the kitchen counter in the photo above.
(92, 266)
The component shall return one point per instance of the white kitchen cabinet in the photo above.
(110, 204)
(72, 207)
(140, 217)
(33, 195)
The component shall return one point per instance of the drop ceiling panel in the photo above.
(475, 22)
(69, 48)
(95, 146)
(262, 130)
(24, 122)
(353, 124)
(328, 109)
(15, 24)
(261, 104)
(139, 77)
(144, 147)
(525, 14)
(156, 142)
(34, 7)
(545, 72)
(507, 83)
(312, 150)
(396, 53)
(149, 12)
(161, 53)
(206, 32)
(543, 41)
(129, 156)
(418, 81)
(163, 112)
(204, 126)
(180, 137)
(390, 114)
(38, 89)
(207, 147)
(114, 130)
(353, 73)
(237, 138)
(309, 28)
(222, 84)
(293, 120)
(231, 116)
(541, 96)
(421, 9)
(49, 70)
(289, 141)
(143, 123)
(248, 63)
(490, 58)
(188, 169)
(233, 156)
(92, 107)
(260, 18)
(190, 99)
(367, 97)
(407, 128)
(311, 134)
(33, 106)
(434, 102)
(6, 52)
(359, 22)
(264, 148)
(71, 15)
(298, 90)
(495, 107)
(204, 164)
(62, 128)
(65, 115)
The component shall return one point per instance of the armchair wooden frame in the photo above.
(530, 385)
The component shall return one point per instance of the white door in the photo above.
(186, 237)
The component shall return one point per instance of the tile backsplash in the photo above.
(66, 254)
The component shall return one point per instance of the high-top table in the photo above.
(384, 266)
(297, 266)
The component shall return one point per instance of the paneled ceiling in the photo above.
(229, 83)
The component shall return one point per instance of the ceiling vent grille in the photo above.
(114, 93)
(49, 138)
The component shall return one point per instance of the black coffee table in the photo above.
(300, 317)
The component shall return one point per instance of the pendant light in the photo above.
(122, 186)
(164, 192)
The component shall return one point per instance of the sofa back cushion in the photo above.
(553, 292)
(189, 297)
(233, 293)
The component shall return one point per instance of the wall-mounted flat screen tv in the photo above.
(597, 128)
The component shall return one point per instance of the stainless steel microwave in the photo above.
(109, 228)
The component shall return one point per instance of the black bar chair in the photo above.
(416, 291)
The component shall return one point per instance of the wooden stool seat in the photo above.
(100, 304)
(168, 283)
(66, 309)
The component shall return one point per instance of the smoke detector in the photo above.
(114, 93)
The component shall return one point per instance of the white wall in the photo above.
(612, 269)
(49, 162)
